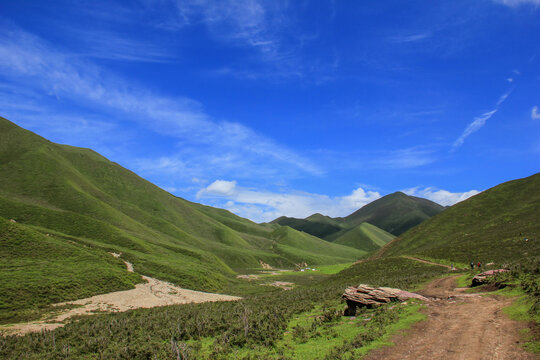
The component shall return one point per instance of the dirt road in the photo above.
(459, 326)
(153, 293)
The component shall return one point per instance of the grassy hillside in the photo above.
(80, 197)
(286, 324)
(370, 227)
(365, 237)
(298, 245)
(317, 226)
(39, 269)
(394, 213)
(490, 226)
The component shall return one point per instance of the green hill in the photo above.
(490, 226)
(370, 227)
(83, 200)
(394, 213)
(39, 269)
(365, 237)
(317, 226)
(289, 241)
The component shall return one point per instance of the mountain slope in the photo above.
(388, 216)
(364, 237)
(491, 226)
(315, 225)
(54, 269)
(394, 213)
(78, 196)
(289, 241)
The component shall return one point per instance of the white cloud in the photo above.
(30, 62)
(442, 197)
(514, 3)
(534, 113)
(358, 198)
(218, 188)
(263, 205)
(503, 98)
(474, 126)
(480, 121)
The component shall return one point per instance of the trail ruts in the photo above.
(459, 326)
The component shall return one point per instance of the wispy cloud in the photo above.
(474, 126)
(534, 113)
(405, 158)
(263, 206)
(113, 45)
(410, 37)
(514, 3)
(442, 197)
(480, 121)
(267, 29)
(30, 62)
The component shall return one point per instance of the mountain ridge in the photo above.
(374, 225)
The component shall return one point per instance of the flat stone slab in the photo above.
(369, 296)
(482, 278)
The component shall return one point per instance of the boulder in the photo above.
(482, 278)
(369, 296)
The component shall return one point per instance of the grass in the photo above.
(319, 270)
(92, 206)
(522, 310)
(256, 321)
(365, 237)
(38, 270)
(489, 227)
(394, 213)
(372, 226)
(72, 207)
(323, 333)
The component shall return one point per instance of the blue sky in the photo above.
(271, 108)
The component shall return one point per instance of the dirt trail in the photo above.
(153, 293)
(428, 262)
(459, 326)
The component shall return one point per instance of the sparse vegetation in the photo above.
(255, 322)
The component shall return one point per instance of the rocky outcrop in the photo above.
(482, 278)
(368, 296)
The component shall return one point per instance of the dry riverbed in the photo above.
(151, 294)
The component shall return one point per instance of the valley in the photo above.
(97, 262)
